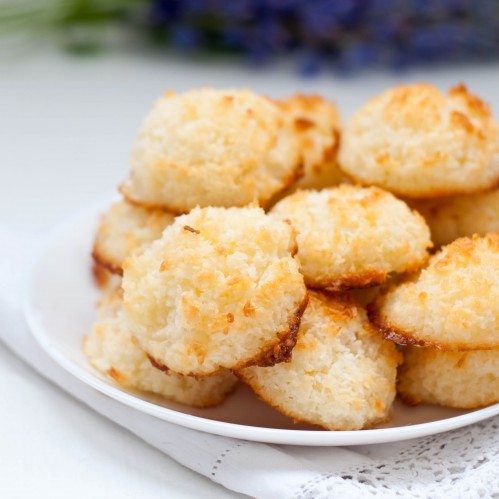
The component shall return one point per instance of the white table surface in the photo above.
(66, 125)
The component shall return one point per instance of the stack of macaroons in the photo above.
(448, 315)
(441, 154)
(239, 250)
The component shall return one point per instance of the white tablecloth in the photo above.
(65, 127)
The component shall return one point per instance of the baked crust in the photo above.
(103, 263)
(351, 237)
(392, 333)
(425, 194)
(112, 350)
(367, 279)
(451, 305)
(299, 418)
(124, 229)
(266, 203)
(342, 372)
(316, 123)
(409, 338)
(280, 350)
(463, 380)
(227, 280)
(216, 148)
(418, 142)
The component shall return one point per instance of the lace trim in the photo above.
(462, 463)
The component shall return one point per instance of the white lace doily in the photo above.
(460, 464)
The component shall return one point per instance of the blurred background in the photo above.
(321, 35)
(76, 79)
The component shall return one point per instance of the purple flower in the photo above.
(346, 35)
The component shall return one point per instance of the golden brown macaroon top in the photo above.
(352, 237)
(210, 147)
(453, 304)
(419, 142)
(219, 289)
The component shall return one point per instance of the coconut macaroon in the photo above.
(212, 148)
(353, 237)
(415, 141)
(465, 380)
(126, 228)
(112, 350)
(342, 373)
(454, 217)
(316, 123)
(453, 304)
(220, 289)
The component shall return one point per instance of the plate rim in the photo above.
(232, 430)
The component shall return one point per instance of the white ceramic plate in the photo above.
(59, 307)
